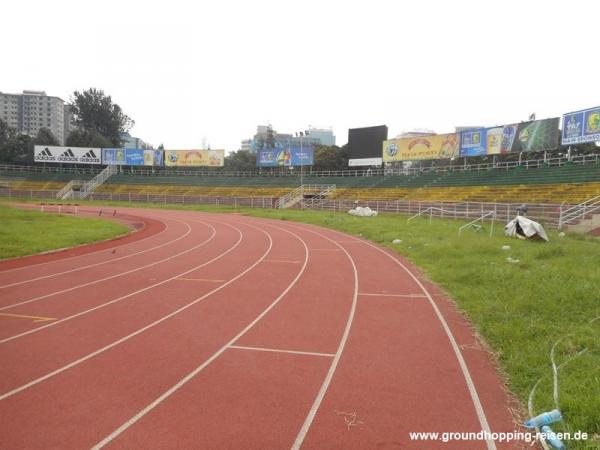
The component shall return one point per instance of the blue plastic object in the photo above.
(552, 439)
(544, 419)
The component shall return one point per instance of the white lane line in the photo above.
(135, 333)
(69, 258)
(118, 299)
(278, 350)
(201, 367)
(189, 230)
(281, 261)
(491, 445)
(120, 274)
(338, 354)
(362, 294)
(207, 280)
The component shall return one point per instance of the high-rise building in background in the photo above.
(325, 136)
(130, 141)
(267, 137)
(32, 110)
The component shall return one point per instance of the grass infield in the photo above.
(28, 232)
(520, 309)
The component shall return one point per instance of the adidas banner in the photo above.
(72, 155)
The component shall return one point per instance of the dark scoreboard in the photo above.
(366, 142)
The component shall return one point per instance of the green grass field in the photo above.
(28, 232)
(520, 310)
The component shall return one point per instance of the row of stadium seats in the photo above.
(571, 183)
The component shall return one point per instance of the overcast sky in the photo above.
(189, 71)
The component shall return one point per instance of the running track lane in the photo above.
(69, 272)
(246, 383)
(145, 227)
(112, 318)
(126, 376)
(72, 292)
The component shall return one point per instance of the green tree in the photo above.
(18, 150)
(45, 137)
(240, 161)
(82, 138)
(95, 112)
(6, 133)
(330, 158)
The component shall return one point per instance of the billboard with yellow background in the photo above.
(436, 146)
(195, 158)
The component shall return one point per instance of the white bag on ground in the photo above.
(525, 228)
(362, 212)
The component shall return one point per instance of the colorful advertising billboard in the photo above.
(436, 146)
(191, 158)
(132, 157)
(535, 136)
(153, 158)
(581, 126)
(487, 141)
(473, 142)
(72, 155)
(290, 156)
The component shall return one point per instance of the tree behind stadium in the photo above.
(95, 114)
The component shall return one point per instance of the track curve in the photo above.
(224, 331)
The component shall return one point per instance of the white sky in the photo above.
(188, 71)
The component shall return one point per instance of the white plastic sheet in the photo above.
(525, 228)
(362, 212)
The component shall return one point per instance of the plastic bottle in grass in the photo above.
(551, 438)
(544, 419)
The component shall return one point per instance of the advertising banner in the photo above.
(436, 146)
(290, 156)
(535, 136)
(487, 141)
(195, 158)
(581, 126)
(473, 142)
(153, 157)
(113, 156)
(132, 157)
(73, 155)
(365, 162)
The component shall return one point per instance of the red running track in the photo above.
(224, 331)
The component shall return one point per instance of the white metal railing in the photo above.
(546, 213)
(67, 189)
(459, 165)
(577, 212)
(315, 199)
(441, 212)
(91, 185)
(291, 197)
(474, 223)
(316, 191)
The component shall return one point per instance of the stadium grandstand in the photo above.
(551, 181)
